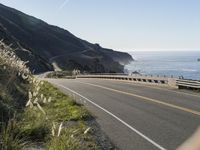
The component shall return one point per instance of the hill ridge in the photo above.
(42, 42)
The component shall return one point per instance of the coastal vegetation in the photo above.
(61, 74)
(35, 114)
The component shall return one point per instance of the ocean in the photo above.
(178, 63)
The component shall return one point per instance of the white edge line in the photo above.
(120, 120)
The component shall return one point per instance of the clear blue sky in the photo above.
(123, 24)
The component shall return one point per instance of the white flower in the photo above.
(29, 103)
(35, 94)
(30, 96)
(40, 108)
(35, 101)
(38, 88)
(34, 80)
(60, 128)
(87, 130)
(45, 100)
(53, 129)
(49, 99)
(24, 76)
(41, 96)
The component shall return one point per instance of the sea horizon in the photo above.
(166, 63)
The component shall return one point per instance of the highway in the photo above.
(136, 116)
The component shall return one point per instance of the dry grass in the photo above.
(36, 113)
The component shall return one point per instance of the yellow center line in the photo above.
(146, 99)
(153, 87)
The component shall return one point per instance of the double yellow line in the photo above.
(146, 99)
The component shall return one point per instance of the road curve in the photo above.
(137, 117)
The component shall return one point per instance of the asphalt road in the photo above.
(137, 117)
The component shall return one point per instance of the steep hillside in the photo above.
(47, 46)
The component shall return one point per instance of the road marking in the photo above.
(146, 99)
(164, 88)
(111, 114)
(150, 86)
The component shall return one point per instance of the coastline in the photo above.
(166, 64)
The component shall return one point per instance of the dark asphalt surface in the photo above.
(166, 125)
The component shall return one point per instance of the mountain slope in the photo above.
(46, 46)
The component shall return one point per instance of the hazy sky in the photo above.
(123, 24)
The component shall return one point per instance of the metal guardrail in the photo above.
(135, 78)
(167, 81)
(125, 74)
(183, 83)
